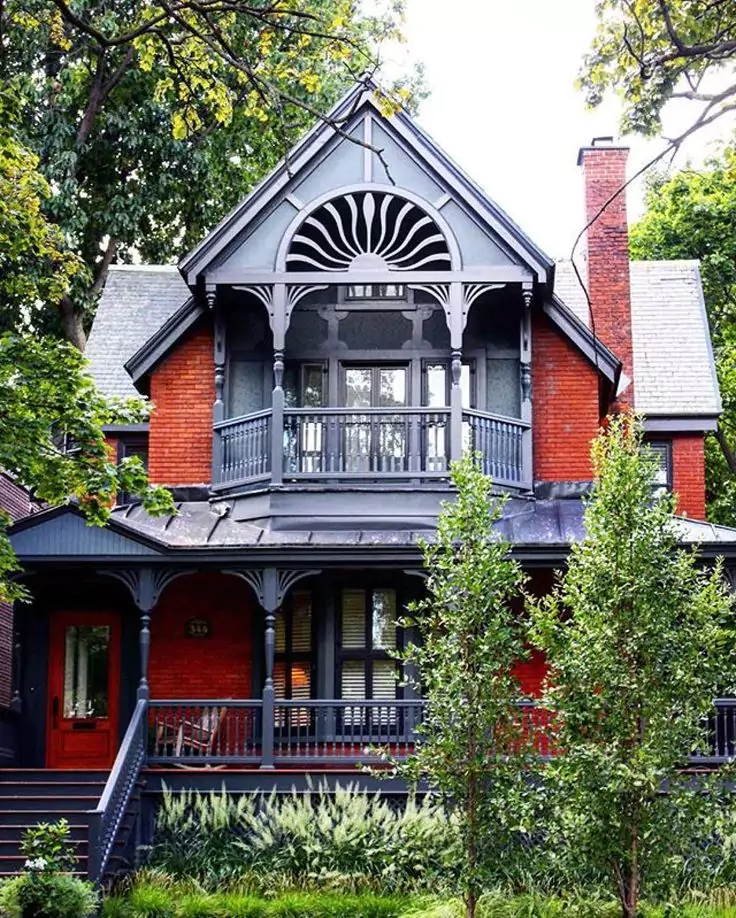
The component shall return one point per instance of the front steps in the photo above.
(31, 796)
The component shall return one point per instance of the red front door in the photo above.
(84, 690)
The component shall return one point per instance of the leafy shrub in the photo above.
(346, 839)
(53, 895)
(147, 901)
(48, 848)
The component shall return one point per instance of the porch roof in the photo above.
(537, 529)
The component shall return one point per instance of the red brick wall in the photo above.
(183, 392)
(218, 666)
(688, 474)
(604, 172)
(565, 405)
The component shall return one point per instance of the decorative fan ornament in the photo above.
(368, 231)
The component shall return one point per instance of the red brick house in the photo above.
(315, 364)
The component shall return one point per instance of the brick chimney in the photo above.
(607, 244)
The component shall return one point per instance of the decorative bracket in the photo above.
(146, 584)
(416, 572)
(271, 585)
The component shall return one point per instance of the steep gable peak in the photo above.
(359, 150)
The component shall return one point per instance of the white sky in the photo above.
(503, 104)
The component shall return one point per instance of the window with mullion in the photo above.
(368, 640)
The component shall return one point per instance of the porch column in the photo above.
(270, 600)
(526, 387)
(278, 325)
(456, 394)
(218, 408)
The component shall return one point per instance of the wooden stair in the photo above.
(31, 796)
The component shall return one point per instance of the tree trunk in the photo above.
(71, 323)
(726, 448)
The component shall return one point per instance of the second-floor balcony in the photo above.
(343, 445)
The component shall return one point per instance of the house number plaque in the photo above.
(197, 628)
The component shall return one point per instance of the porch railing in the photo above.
(345, 444)
(106, 819)
(205, 732)
(334, 732)
(502, 444)
(344, 730)
(370, 442)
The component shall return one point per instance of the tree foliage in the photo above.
(51, 415)
(471, 635)
(692, 214)
(151, 120)
(638, 644)
(652, 51)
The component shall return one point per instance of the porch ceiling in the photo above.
(536, 528)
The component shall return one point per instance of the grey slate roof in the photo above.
(674, 370)
(136, 302)
(539, 523)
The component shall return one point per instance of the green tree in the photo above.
(636, 637)
(51, 415)
(692, 214)
(470, 635)
(652, 51)
(151, 120)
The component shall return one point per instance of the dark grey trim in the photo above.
(354, 103)
(38, 519)
(562, 490)
(161, 342)
(125, 428)
(667, 423)
(592, 348)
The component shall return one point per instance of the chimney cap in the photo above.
(597, 144)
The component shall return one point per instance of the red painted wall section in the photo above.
(183, 392)
(218, 666)
(688, 474)
(565, 406)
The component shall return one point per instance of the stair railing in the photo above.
(105, 821)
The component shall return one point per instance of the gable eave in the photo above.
(582, 338)
(47, 517)
(147, 357)
(408, 132)
(281, 175)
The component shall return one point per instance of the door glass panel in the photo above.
(391, 387)
(358, 387)
(313, 395)
(86, 666)
(437, 386)
(384, 620)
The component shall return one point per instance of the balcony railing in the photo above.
(368, 444)
(346, 731)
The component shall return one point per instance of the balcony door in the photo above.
(374, 435)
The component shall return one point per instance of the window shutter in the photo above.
(301, 629)
(353, 679)
(353, 619)
(280, 628)
(384, 679)
(279, 679)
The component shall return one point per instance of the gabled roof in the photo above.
(349, 110)
(674, 368)
(136, 303)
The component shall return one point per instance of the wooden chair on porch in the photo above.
(193, 735)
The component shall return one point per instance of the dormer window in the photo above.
(375, 292)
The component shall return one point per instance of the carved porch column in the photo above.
(526, 386)
(270, 586)
(218, 408)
